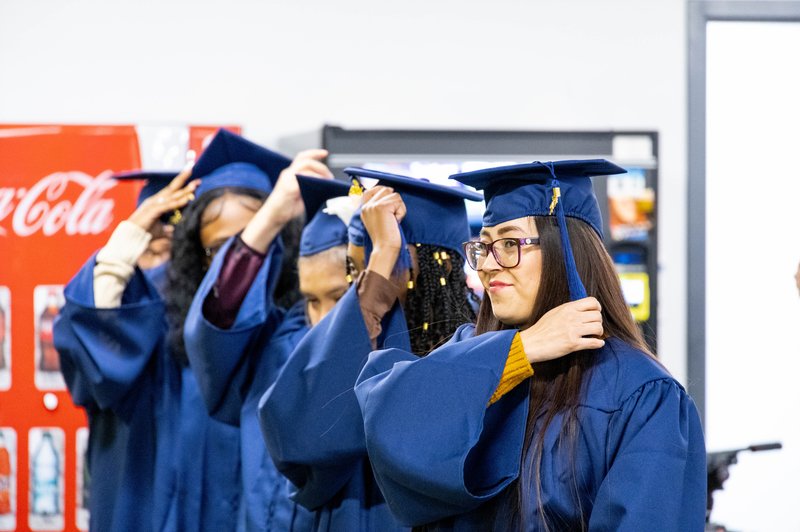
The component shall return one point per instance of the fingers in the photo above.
(312, 154)
(591, 329)
(587, 303)
(589, 343)
(306, 162)
(591, 316)
(314, 168)
(400, 211)
(181, 178)
(385, 200)
(375, 192)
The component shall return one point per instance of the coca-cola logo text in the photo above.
(39, 207)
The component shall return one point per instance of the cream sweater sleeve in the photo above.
(116, 262)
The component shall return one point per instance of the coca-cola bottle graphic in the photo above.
(2, 338)
(49, 356)
(45, 475)
(5, 478)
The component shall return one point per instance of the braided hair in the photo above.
(439, 300)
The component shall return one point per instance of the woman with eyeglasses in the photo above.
(525, 422)
(158, 460)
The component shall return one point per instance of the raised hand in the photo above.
(381, 210)
(174, 196)
(285, 201)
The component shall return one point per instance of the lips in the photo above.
(496, 286)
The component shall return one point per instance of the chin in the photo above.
(507, 316)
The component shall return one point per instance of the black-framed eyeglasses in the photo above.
(507, 253)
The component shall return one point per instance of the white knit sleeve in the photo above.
(116, 262)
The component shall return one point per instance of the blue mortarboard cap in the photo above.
(560, 188)
(325, 228)
(232, 161)
(155, 182)
(436, 214)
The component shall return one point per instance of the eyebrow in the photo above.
(510, 229)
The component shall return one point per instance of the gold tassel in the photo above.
(556, 195)
(441, 280)
(356, 189)
(444, 256)
(425, 326)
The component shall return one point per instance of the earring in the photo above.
(208, 252)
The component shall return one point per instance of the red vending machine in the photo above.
(58, 205)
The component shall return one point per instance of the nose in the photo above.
(491, 264)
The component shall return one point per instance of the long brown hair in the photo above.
(556, 386)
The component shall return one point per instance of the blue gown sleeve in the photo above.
(222, 359)
(104, 351)
(657, 474)
(317, 445)
(442, 453)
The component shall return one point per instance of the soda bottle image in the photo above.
(45, 475)
(2, 338)
(5, 478)
(49, 356)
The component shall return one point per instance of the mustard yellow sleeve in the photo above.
(517, 369)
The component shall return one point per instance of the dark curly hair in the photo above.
(187, 265)
(440, 300)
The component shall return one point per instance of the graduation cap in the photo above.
(155, 182)
(328, 209)
(558, 188)
(231, 161)
(436, 214)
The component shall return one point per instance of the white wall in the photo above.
(279, 67)
(751, 369)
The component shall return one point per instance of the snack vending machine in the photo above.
(58, 205)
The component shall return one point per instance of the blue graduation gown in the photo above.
(158, 461)
(312, 423)
(234, 367)
(439, 453)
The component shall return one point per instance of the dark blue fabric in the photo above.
(323, 231)
(316, 191)
(233, 367)
(232, 161)
(157, 460)
(440, 454)
(312, 423)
